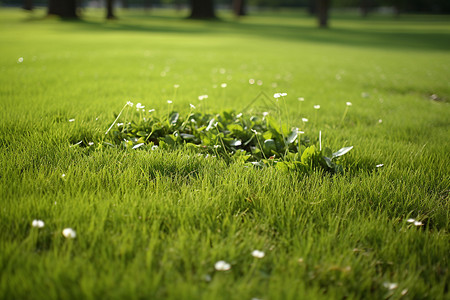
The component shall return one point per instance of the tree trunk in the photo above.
(239, 8)
(322, 12)
(110, 10)
(147, 5)
(312, 7)
(63, 8)
(365, 7)
(28, 5)
(202, 9)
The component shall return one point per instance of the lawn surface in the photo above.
(152, 225)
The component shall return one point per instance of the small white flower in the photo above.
(223, 85)
(69, 233)
(418, 223)
(380, 121)
(283, 94)
(192, 106)
(301, 99)
(20, 60)
(216, 146)
(404, 292)
(251, 81)
(410, 220)
(305, 120)
(390, 285)
(63, 175)
(139, 106)
(154, 147)
(38, 223)
(91, 143)
(222, 265)
(239, 115)
(259, 82)
(254, 131)
(130, 104)
(71, 120)
(258, 254)
(379, 165)
(265, 114)
(169, 101)
(348, 103)
(316, 106)
(202, 97)
(277, 95)
(301, 132)
(176, 86)
(151, 110)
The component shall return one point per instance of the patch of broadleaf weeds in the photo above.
(253, 139)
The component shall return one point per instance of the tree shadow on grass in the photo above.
(394, 38)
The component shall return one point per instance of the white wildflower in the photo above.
(301, 99)
(38, 223)
(20, 60)
(348, 103)
(222, 265)
(71, 120)
(223, 85)
(192, 106)
(176, 86)
(258, 254)
(151, 110)
(169, 101)
(130, 104)
(379, 165)
(259, 82)
(139, 106)
(69, 233)
(251, 81)
(316, 106)
(305, 120)
(390, 285)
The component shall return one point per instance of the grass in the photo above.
(153, 224)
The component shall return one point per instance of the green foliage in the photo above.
(256, 139)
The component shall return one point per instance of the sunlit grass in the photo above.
(172, 225)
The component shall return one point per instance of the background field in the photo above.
(152, 225)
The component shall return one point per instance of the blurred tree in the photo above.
(239, 8)
(202, 9)
(323, 7)
(63, 8)
(27, 5)
(125, 4)
(110, 10)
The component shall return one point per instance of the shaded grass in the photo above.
(153, 224)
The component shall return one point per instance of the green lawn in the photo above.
(153, 224)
